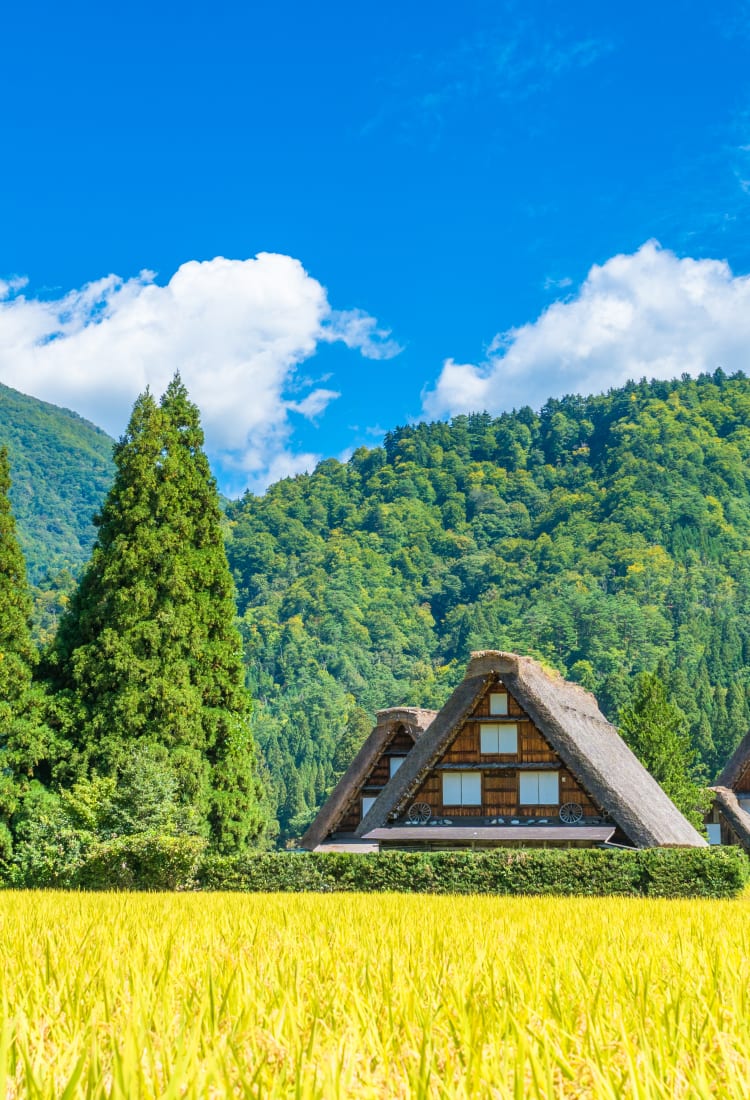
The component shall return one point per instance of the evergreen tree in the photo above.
(25, 739)
(149, 651)
(357, 729)
(655, 729)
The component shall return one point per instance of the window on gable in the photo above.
(367, 802)
(462, 788)
(395, 763)
(498, 737)
(498, 702)
(539, 789)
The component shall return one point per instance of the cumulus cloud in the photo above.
(647, 314)
(237, 330)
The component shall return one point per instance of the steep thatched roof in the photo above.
(726, 802)
(570, 720)
(414, 720)
(737, 768)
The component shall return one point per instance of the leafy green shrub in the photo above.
(143, 861)
(664, 872)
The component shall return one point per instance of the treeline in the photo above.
(607, 535)
(135, 723)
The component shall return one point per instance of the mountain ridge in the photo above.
(61, 469)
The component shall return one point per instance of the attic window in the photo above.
(395, 764)
(539, 789)
(498, 737)
(462, 788)
(367, 802)
(498, 702)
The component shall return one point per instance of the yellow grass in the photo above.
(367, 996)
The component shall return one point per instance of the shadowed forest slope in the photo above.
(62, 467)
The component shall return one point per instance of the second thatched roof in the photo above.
(414, 720)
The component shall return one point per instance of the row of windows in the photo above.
(534, 788)
(465, 789)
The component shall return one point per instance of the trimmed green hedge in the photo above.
(149, 861)
(656, 872)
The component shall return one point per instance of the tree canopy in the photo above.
(606, 535)
(25, 738)
(148, 651)
(656, 730)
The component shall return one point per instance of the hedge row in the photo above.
(656, 872)
(152, 862)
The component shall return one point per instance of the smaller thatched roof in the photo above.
(726, 802)
(415, 721)
(737, 768)
(568, 717)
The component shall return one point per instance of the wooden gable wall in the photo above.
(399, 744)
(500, 783)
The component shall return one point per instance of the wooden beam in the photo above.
(545, 766)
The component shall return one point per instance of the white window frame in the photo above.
(498, 703)
(498, 738)
(534, 788)
(368, 801)
(394, 763)
(462, 788)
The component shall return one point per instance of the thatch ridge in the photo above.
(414, 719)
(726, 801)
(736, 765)
(569, 717)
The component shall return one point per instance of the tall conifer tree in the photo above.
(655, 729)
(25, 739)
(149, 650)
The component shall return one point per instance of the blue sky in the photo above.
(479, 181)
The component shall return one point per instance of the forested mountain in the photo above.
(607, 535)
(61, 468)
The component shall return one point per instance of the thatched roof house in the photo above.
(384, 751)
(729, 818)
(518, 756)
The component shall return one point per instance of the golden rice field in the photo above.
(209, 995)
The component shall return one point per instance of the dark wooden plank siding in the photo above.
(500, 788)
(398, 745)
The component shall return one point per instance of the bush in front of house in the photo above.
(656, 872)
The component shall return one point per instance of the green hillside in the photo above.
(606, 535)
(61, 467)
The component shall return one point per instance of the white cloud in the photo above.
(235, 329)
(648, 314)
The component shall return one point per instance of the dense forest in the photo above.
(607, 535)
